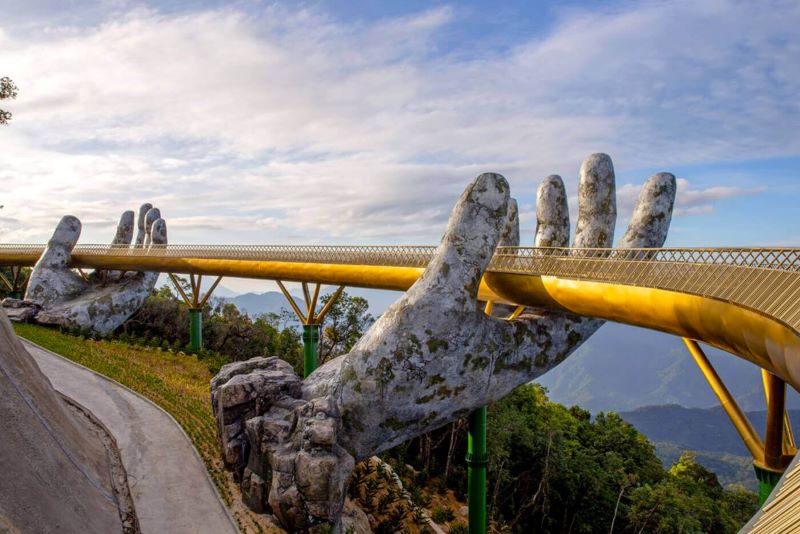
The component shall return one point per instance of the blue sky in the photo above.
(361, 122)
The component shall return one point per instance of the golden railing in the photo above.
(766, 280)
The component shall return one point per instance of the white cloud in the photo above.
(693, 201)
(690, 199)
(286, 125)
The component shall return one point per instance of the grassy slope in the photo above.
(176, 382)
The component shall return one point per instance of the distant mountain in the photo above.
(273, 301)
(698, 429)
(623, 368)
(270, 302)
(224, 292)
(674, 429)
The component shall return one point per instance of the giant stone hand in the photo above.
(431, 358)
(102, 301)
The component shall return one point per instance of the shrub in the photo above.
(385, 527)
(419, 497)
(443, 515)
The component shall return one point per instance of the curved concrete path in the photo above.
(168, 481)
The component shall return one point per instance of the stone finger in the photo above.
(153, 214)
(510, 237)
(650, 220)
(124, 233)
(473, 231)
(140, 234)
(597, 203)
(552, 213)
(158, 232)
(59, 248)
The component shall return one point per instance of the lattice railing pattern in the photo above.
(763, 279)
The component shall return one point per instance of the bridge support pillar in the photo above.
(195, 329)
(767, 480)
(15, 283)
(195, 301)
(771, 455)
(312, 321)
(310, 347)
(778, 444)
(476, 471)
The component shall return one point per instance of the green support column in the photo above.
(195, 329)
(767, 480)
(476, 471)
(310, 344)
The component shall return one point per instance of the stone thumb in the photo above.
(57, 253)
(473, 231)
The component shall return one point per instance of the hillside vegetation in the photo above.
(554, 469)
(708, 432)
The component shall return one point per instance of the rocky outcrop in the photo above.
(283, 450)
(431, 358)
(100, 302)
(20, 310)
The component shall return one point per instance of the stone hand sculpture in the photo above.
(101, 301)
(431, 358)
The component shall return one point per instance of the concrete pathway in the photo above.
(168, 480)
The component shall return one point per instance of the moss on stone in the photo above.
(394, 423)
(435, 379)
(434, 344)
(383, 372)
(424, 400)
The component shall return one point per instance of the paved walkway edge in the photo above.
(159, 408)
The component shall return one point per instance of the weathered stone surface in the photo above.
(103, 301)
(283, 449)
(20, 310)
(354, 520)
(552, 213)
(653, 212)
(433, 356)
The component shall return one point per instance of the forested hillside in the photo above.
(708, 432)
(554, 469)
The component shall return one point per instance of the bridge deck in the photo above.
(743, 300)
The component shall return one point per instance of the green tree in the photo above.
(226, 330)
(7, 90)
(740, 504)
(7, 272)
(554, 469)
(345, 323)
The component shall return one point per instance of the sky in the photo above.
(355, 122)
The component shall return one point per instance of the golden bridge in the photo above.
(745, 301)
